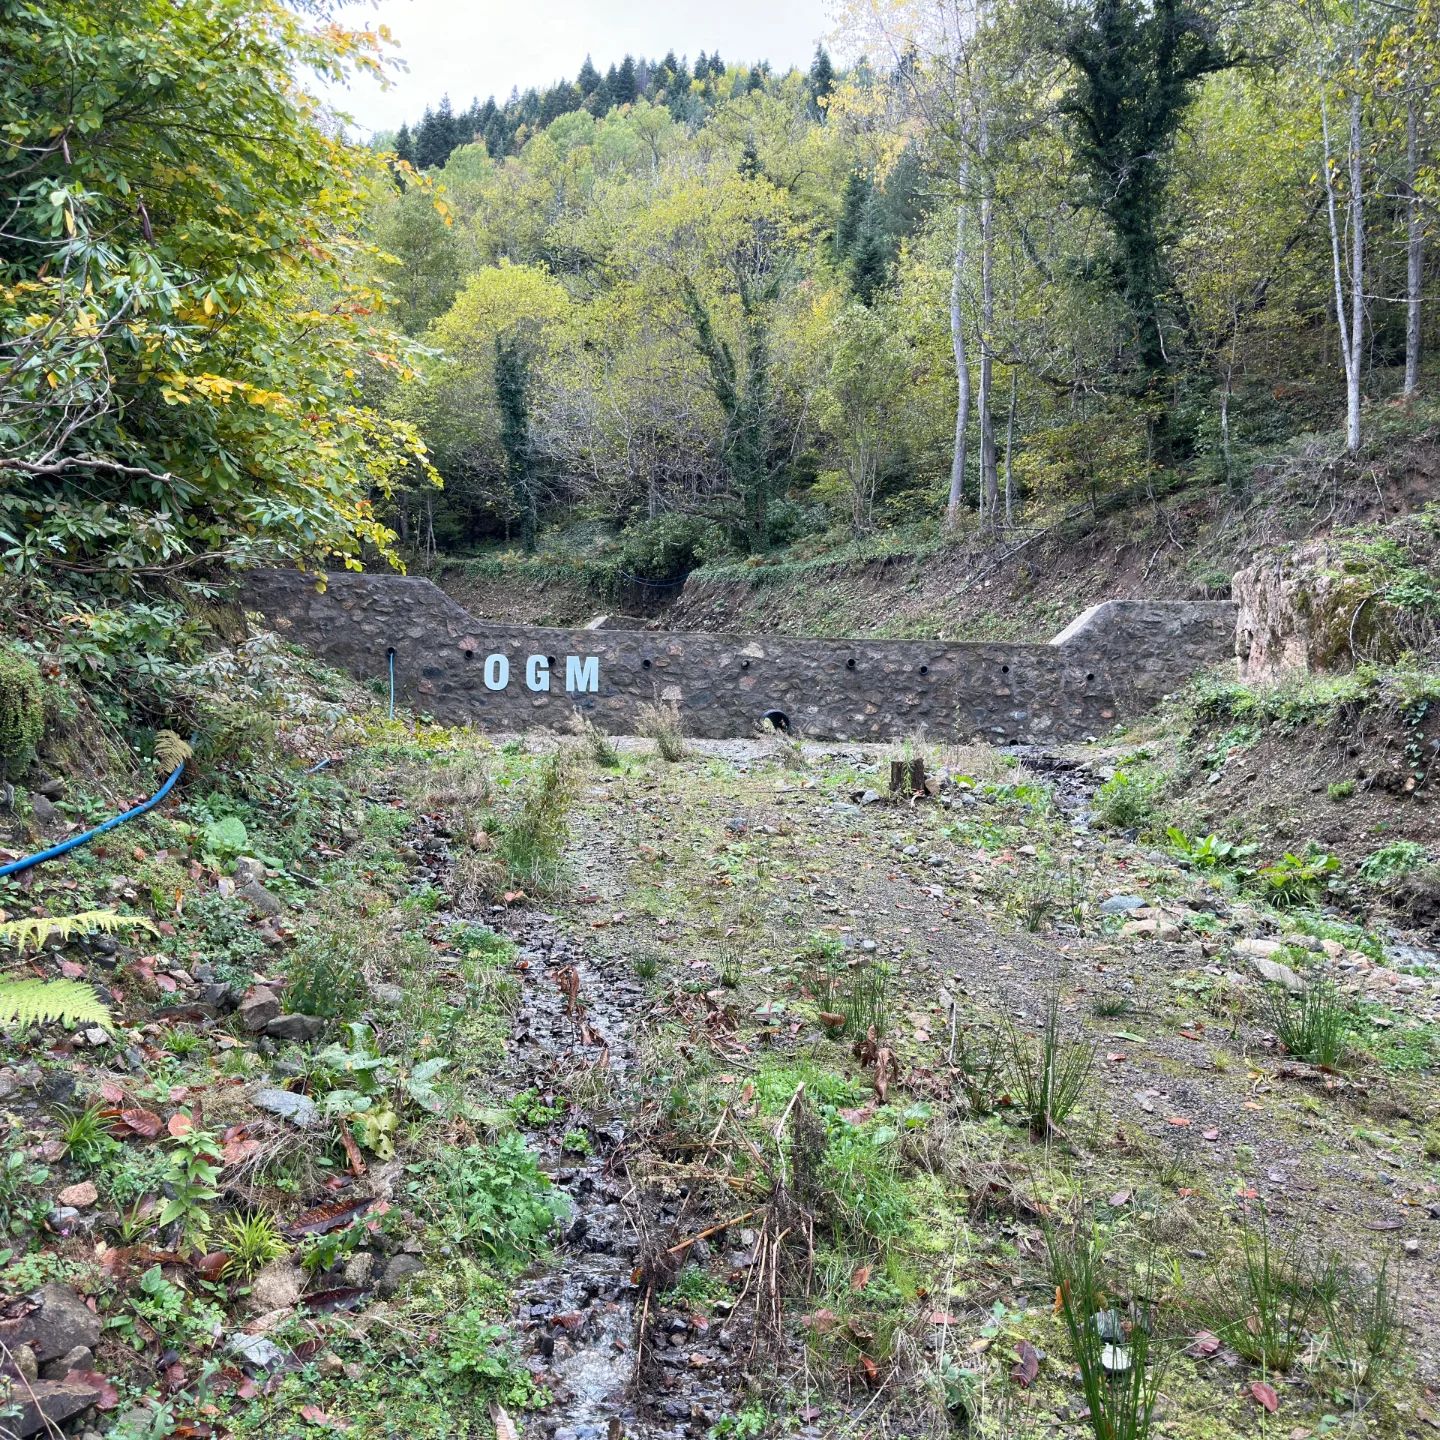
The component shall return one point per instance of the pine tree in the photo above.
(853, 200)
(820, 81)
(588, 79)
(750, 159)
(404, 146)
(512, 385)
(870, 256)
(625, 90)
(427, 142)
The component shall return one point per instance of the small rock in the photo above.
(80, 1357)
(80, 1195)
(1275, 973)
(870, 797)
(47, 817)
(22, 1364)
(300, 1110)
(276, 1287)
(255, 1352)
(388, 994)
(1252, 948)
(398, 1272)
(259, 1008)
(260, 899)
(299, 1028)
(218, 994)
(96, 1037)
(1121, 904)
(249, 871)
(362, 1269)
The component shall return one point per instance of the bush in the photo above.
(532, 842)
(1126, 801)
(662, 723)
(22, 709)
(670, 546)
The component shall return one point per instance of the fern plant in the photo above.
(170, 749)
(33, 1002)
(29, 1001)
(35, 930)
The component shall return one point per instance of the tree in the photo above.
(1134, 65)
(821, 82)
(588, 80)
(184, 328)
(623, 89)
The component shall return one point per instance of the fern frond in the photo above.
(33, 1002)
(37, 929)
(170, 749)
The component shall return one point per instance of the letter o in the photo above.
(497, 672)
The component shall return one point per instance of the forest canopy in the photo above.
(1024, 255)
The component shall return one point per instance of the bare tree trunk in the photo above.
(1357, 279)
(1349, 352)
(989, 473)
(962, 361)
(1010, 448)
(1414, 252)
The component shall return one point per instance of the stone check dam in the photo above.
(1114, 662)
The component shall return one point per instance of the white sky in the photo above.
(470, 48)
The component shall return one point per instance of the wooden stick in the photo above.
(706, 1234)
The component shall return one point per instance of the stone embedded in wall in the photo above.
(463, 669)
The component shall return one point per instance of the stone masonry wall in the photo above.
(1116, 661)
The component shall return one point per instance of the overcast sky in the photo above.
(470, 48)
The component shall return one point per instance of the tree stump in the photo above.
(907, 777)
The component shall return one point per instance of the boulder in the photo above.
(398, 1273)
(1274, 973)
(59, 1321)
(43, 1405)
(81, 1357)
(299, 1028)
(276, 1287)
(259, 899)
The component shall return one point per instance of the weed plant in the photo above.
(662, 723)
(1048, 1080)
(1120, 1359)
(532, 841)
(1314, 1025)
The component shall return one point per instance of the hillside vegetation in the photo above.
(392, 1079)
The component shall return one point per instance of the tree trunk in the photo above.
(1010, 449)
(962, 362)
(1357, 280)
(1349, 354)
(989, 472)
(1414, 251)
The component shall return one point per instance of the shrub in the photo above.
(668, 547)
(22, 709)
(1126, 801)
(323, 977)
(1295, 880)
(1390, 861)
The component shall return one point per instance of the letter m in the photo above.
(582, 674)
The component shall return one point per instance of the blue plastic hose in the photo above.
(391, 654)
(16, 866)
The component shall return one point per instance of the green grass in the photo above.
(1315, 1025)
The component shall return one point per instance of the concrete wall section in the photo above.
(461, 668)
